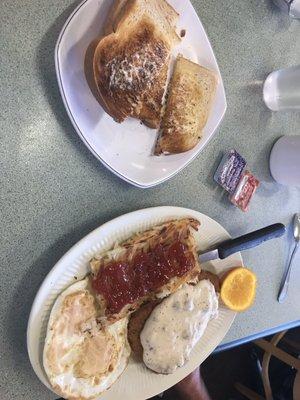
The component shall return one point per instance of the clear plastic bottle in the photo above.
(281, 89)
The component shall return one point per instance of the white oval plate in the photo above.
(126, 148)
(137, 382)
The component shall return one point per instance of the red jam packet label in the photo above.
(245, 191)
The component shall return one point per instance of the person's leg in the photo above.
(191, 388)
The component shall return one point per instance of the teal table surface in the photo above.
(53, 191)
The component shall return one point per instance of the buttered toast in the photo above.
(190, 97)
(148, 266)
(131, 62)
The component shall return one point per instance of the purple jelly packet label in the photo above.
(230, 170)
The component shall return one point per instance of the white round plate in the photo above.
(126, 149)
(137, 382)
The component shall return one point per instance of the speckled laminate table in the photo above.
(53, 191)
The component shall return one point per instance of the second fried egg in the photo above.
(81, 357)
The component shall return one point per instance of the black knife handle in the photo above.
(250, 240)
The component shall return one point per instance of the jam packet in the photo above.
(245, 191)
(230, 170)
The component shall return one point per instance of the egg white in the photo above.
(62, 374)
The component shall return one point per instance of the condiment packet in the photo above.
(245, 191)
(230, 170)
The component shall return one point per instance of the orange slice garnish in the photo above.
(238, 289)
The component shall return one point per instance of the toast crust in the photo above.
(124, 12)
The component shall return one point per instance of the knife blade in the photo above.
(245, 242)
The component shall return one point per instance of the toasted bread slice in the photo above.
(126, 64)
(166, 17)
(190, 97)
(154, 244)
(127, 12)
(152, 103)
(114, 16)
(131, 62)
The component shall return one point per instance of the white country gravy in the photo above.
(176, 325)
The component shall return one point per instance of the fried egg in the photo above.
(83, 358)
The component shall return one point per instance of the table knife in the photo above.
(245, 242)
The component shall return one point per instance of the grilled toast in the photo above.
(152, 103)
(131, 62)
(128, 12)
(123, 260)
(190, 97)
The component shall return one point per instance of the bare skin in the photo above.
(191, 388)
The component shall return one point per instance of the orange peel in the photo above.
(238, 289)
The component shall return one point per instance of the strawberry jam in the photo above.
(124, 282)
